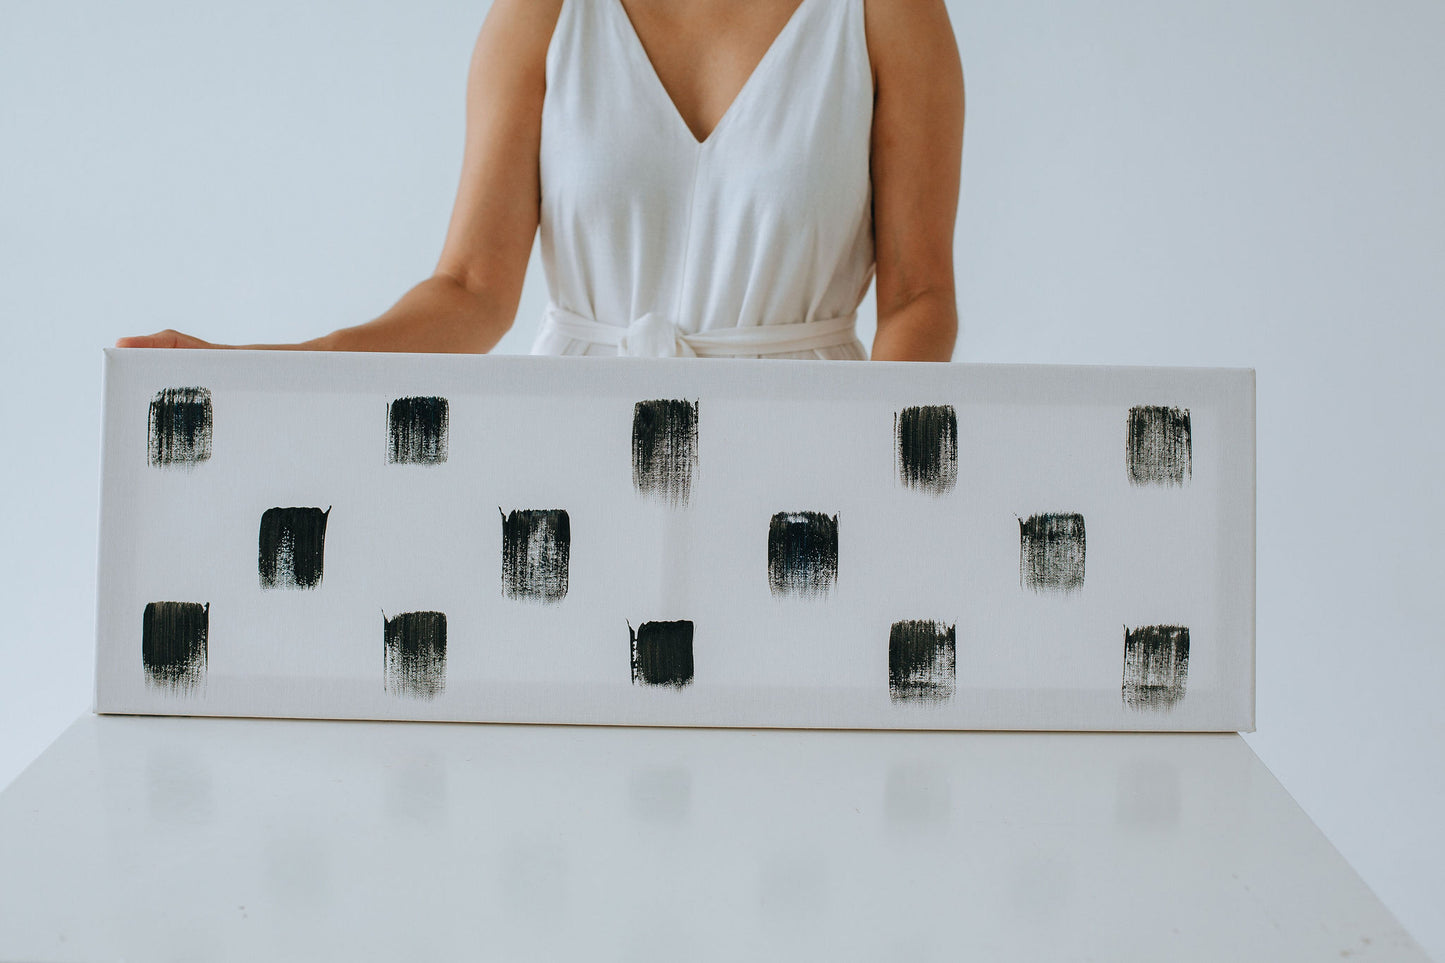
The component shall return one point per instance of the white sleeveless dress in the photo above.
(756, 242)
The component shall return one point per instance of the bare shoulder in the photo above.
(911, 38)
(516, 33)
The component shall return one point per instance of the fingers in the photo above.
(169, 338)
(161, 339)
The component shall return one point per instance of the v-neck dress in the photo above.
(755, 242)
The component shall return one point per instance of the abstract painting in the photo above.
(816, 544)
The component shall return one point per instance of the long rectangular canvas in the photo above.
(678, 541)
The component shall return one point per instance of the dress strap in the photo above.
(653, 335)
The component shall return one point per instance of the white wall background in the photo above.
(1226, 182)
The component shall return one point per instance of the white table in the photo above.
(145, 838)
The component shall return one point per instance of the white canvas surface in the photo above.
(310, 429)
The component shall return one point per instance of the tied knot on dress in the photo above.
(654, 336)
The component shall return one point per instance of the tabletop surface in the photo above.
(192, 838)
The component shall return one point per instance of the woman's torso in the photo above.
(765, 222)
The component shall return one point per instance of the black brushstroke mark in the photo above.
(802, 553)
(1156, 666)
(535, 547)
(1051, 552)
(180, 427)
(921, 661)
(664, 449)
(1158, 448)
(925, 447)
(417, 431)
(415, 661)
(662, 653)
(173, 644)
(292, 546)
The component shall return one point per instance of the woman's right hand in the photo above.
(169, 338)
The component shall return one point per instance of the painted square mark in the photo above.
(1051, 552)
(416, 431)
(415, 658)
(664, 449)
(921, 659)
(925, 447)
(1158, 446)
(292, 547)
(173, 644)
(1156, 666)
(179, 427)
(536, 544)
(662, 653)
(802, 554)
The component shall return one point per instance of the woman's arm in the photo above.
(471, 299)
(917, 147)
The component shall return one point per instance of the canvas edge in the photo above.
(109, 393)
(1251, 379)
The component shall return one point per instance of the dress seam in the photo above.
(687, 240)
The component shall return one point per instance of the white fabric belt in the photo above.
(655, 336)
